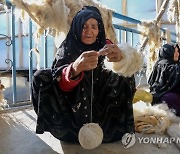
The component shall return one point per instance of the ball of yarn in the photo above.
(90, 136)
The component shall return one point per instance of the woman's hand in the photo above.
(112, 52)
(86, 61)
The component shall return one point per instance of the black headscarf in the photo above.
(166, 53)
(165, 76)
(72, 46)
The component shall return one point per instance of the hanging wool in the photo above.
(56, 15)
(46, 14)
(151, 30)
(151, 36)
(174, 16)
(167, 35)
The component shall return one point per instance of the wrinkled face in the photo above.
(90, 31)
(176, 54)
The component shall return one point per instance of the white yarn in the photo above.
(90, 136)
(131, 63)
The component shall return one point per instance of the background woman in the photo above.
(164, 80)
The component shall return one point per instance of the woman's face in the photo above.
(176, 55)
(90, 31)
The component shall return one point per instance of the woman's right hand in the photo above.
(88, 60)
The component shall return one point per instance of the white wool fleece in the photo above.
(131, 63)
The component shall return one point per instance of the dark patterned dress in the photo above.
(64, 113)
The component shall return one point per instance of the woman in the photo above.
(164, 80)
(72, 75)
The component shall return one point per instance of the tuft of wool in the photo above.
(174, 16)
(168, 35)
(150, 29)
(3, 102)
(141, 108)
(161, 113)
(172, 11)
(130, 64)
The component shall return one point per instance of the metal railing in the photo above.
(120, 29)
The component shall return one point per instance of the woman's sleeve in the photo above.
(108, 41)
(66, 83)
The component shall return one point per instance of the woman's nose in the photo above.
(88, 30)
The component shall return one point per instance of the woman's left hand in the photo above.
(112, 52)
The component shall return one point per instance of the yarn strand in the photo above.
(92, 87)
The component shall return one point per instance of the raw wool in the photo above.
(151, 30)
(3, 2)
(3, 102)
(131, 63)
(36, 51)
(174, 16)
(167, 35)
(151, 34)
(56, 15)
(153, 119)
(46, 14)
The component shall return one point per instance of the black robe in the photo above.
(165, 76)
(64, 113)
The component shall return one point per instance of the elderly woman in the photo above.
(164, 80)
(83, 89)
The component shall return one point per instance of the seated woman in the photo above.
(72, 77)
(164, 80)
